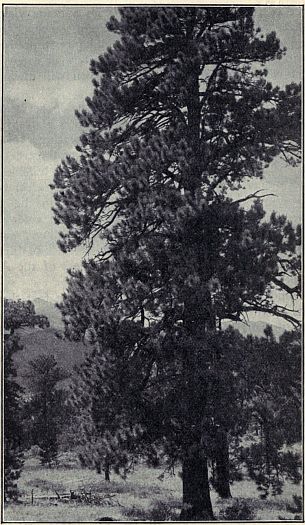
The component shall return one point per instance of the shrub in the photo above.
(159, 511)
(296, 506)
(135, 512)
(238, 511)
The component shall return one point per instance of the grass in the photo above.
(142, 497)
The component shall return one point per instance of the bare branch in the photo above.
(274, 311)
(253, 196)
(286, 287)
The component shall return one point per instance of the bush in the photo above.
(238, 511)
(68, 460)
(296, 506)
(135, 512)
(159, 511)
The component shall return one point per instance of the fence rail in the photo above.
(75, 496)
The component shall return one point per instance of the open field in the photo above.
(143, 496)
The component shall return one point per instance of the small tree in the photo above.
(105, 398)
(22, 313)
(47, 406)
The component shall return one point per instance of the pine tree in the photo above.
(16, 315)
(256, 392)
(105, 402)
(13, 435)
(47, 406)
(22, 313)
(275, 410)
(178, 118)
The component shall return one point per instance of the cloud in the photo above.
(45, 116)
(53, 42)
(26, 277)
(52, 94)
(28, 223)
(47, 51)
(34, 265)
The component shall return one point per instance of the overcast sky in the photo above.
(47, 50)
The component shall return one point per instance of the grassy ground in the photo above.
(143, 496)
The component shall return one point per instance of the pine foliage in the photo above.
(47, 406)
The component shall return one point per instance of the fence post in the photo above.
(32, 496)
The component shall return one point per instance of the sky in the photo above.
(47, 51)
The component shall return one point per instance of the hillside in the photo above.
(37, 341)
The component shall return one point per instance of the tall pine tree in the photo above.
(179, 117)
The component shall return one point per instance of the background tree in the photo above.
(258, 402)
(179, 117)
(104, 401)
(22, 313)
(16, 315)
(13, 432)
(47, 406)
(275, 403)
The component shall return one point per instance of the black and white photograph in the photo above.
(152, 255)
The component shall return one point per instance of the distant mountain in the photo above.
(48, 309)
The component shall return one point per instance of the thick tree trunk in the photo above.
(222, 471)
(197, 504)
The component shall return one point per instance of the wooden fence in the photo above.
(80, 497)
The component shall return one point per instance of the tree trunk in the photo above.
(197, 504)
(222, 473)
(98, 467)
(196, 491)
(107, 472)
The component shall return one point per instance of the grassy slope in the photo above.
(133, 497)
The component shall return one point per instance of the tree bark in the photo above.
(107, 472)
(197, 504)
(98, 467)
(222, 470)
